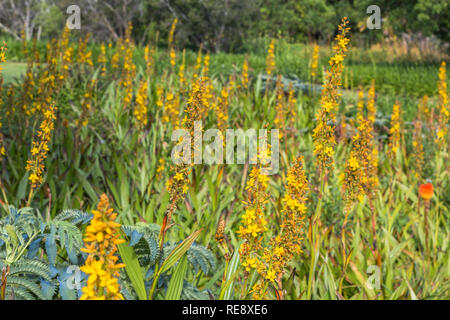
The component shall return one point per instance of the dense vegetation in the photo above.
(88, 181)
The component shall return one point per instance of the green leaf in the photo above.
(177, 280)
(133, 269)
(178, 252)
(226, 291)
(22, 189)
(87, 186)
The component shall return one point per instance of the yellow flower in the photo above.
(40, 148)
(270, 60)
(315, 61)
(395, 130)
(323, 134)
(101, 240)
(444, 113)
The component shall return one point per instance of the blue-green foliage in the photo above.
(40, 253)
(144, 239)
(44, 256)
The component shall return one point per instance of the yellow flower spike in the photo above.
(395, 130)
(101, 266)
(443, 106)
(315, 61)
(40, 148)
(323, 135)
(270, 60)
(140, 111)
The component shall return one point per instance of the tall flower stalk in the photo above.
(244, 76)
(444, 112)
(171, 43)
(140, 110)
(2, 59)
(40, 147)
(395, 131)
(252, 228)
(314, 62)
(323, 134)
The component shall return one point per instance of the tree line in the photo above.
(224, 25)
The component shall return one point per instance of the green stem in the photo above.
(155, 282)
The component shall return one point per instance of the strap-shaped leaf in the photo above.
(177, 280)
(178, 252)
(133, 269)
(226, 291)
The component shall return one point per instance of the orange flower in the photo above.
(426, 191)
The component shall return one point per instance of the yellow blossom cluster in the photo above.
(171, 109)
(288, 243)
(371, 108)
(181, 74)
(418, 153)
(244, 77)
(149, 54)
(424, 111)
(67, 53)
(323, 135)
(84, 56)
(372, 157)
(27, 98)
(444, 112)
(280, 116)
(178, 184)
(360, 106)
(140, 110)
(358, 172)
(395, 130)
(206, 62)
(40, 148)
(221, 108)
(170, 41)
(292, 104)
(101, 240)
(2, 55)
(198, 63)
(128, 68)
(270, 60)
(315, 61)
(11, 106)
(2, 59)
(115, 59)
(102, 59)
(253, 224)
(86, 104)
(161, 167)
(352, 186)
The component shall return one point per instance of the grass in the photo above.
(13, 71)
